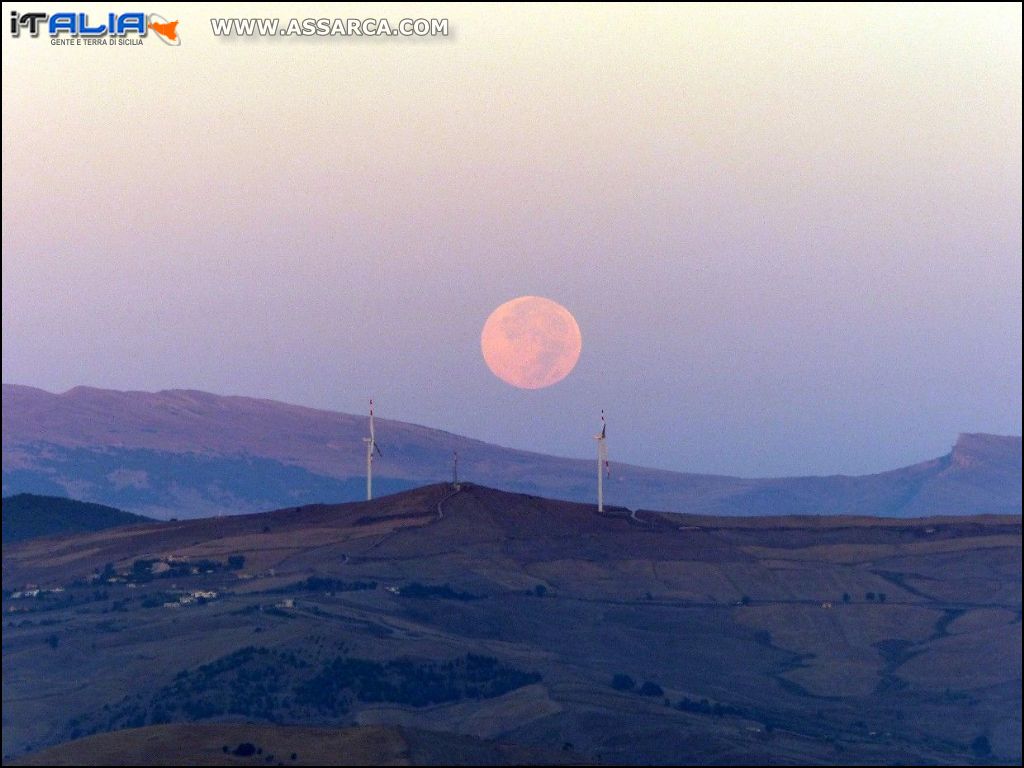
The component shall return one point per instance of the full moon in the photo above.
(531, 342)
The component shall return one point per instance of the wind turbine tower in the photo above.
(371, 447)
(602, 462)
(455, 470)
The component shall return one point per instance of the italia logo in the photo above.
(82, 25)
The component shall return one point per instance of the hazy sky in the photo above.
(791, 236)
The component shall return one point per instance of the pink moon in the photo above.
(531, 342)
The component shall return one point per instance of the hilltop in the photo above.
(27, 516)
(183, 453)
(539, 624)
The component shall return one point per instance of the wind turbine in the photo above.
(455, 470)
(371, 446)
(602, 462)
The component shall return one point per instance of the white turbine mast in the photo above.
(602, 462)
(371, 447)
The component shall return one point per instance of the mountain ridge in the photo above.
(185, 452)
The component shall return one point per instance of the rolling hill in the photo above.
(182, 453)
(27, 516)
(230, 744)
(509, 619)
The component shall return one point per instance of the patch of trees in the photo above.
(249, 682)
(142, 570)
(324, 584)
(246, 656)
(277, 686)
(407, 681)
(704, 707)
(623, 682)
(444, 592)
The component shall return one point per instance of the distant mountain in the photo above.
(27, 516)
(185, 453)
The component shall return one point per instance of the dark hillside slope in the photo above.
(27, 516)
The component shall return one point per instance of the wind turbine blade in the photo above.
(377, 447)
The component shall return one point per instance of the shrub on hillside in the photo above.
(621, 682)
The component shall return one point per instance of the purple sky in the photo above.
(791, 237)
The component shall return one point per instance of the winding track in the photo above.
(440, 503)
(634, 518)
